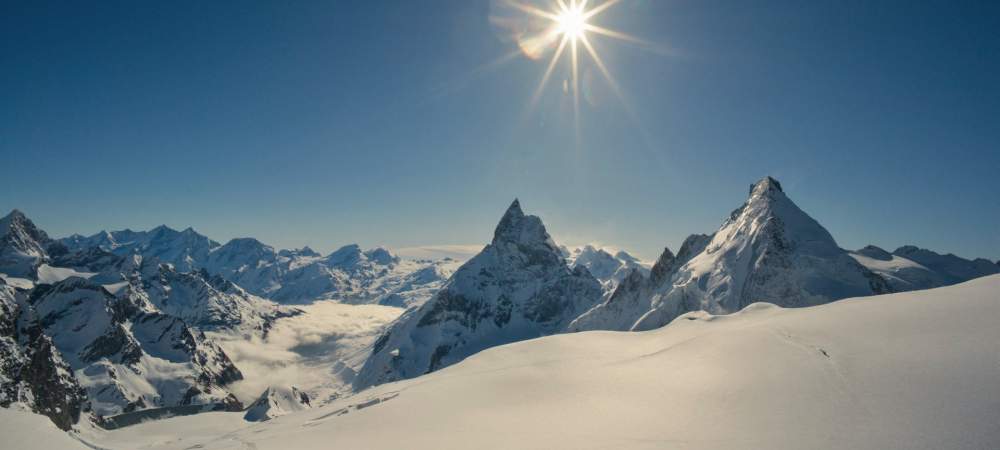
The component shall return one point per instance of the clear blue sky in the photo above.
(327, 123)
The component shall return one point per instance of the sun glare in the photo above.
(570, 22)
(568, 29)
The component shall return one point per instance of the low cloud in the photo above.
(317, 351)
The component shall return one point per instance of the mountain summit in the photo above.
(767, 250)
(23, 246)
(519, 287)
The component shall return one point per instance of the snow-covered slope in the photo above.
(901, 273)
(767, 249)
(353, 275)
(33, 374)
(631, 298)
(23, 430)
(952, 268)
(519, 287)
(128, 354)
(349, 274)
(610, 269)
(70, 345)
(186, 250)
(915, 370)
(207, 302)
(248, 263)
(277, 401)
(23, 247)
(904, 273)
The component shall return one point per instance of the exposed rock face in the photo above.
(128, 354)
(76, 347)
(248, 263)
(277, 401)
(632, 298)
(186, 250)
(874, 252)
(353, 275)
(609, 269)
(23, 247)
(768, 250)
(519, 287)
(349, 274)
(32, 371)
(206, 301)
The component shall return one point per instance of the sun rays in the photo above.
(565, 27)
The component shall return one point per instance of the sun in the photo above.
(570, 21)
(562, 27)
(566, 28)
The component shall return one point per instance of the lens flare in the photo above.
(570, 22)
(563, 27)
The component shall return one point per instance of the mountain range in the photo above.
(115, 323)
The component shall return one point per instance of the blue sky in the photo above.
(327, 123)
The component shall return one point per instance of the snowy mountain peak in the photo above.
(766, 185)
(514, 208)
(346, 255)
(625, 256)
(14, 216)
(519, 287)
(953, 268)
(767, 249)
(875, 252)
(277, 401)
(663, 266)
(17, 222)
(23, 246)
(239, 254)
(381, 255)
(522, 230)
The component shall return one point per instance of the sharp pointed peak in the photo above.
(18, 213)
(515, 226)
(766, 185)
(162, 228)
(514, 209)
(15, 218)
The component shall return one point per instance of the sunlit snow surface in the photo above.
(19, 283)
(23, 430)
(51, 275)
(916, 370)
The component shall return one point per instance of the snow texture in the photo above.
(519, 287)
(277, 401)
(913, 370)
(768, 249)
